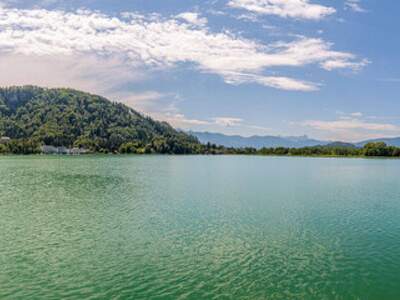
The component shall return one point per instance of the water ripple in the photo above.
(164, 227)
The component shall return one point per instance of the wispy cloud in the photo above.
(339, 63)
(352, 127)
(90, 73)
(234, 124)
(228, 125)
(150, 41)
(228, 121)
(350, 124)
(161, 106)
(354, 5)
(179, 120)
(297, 9)
(356, 114)
(283, 83)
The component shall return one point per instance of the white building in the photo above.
(62, 150)
(4, 140)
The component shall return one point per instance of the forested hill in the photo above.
(33, 116)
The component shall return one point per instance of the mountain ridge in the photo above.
(256, 141)
(270, 141)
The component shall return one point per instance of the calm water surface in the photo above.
(228, 227)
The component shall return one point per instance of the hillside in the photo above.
(257, 142)
(33, 116)
(388, 141)
(340, 145)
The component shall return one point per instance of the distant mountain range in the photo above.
(258, 142)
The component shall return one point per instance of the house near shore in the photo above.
(46, 149)
(4, 140)
(78, 151)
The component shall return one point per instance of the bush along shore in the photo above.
(377, 149)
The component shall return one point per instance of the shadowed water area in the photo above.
(199, 227)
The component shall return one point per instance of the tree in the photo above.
(376, 149)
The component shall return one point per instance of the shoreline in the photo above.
(190, 155)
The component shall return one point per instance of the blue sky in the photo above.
(328, 69)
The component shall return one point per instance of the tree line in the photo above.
(32, 116)
(171, 146)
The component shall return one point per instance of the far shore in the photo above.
(192, 155)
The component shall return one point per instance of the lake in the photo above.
(199, 227)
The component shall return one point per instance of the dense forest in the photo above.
(31, 117)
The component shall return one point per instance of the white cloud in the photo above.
(227, 125)
(193, 18)
(218, 124)
(339, 63)
(248, 17)
(356, 114)
(354, 5)
(147, 102)
(297, 9)
(283, 83)
(137, 41)
(144, 96)
(349, 116)
(350, 124)
(228, 121)
(179, 120)
(352, 128)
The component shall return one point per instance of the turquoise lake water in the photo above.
(199, 227)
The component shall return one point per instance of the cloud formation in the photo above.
(85, 72)
(193, 18)
(350, 124)
(228, 121)
(297, 9)
(352, 127)
(157, 43)
(354, 5)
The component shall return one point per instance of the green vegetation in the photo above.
(33, 116)
(369, 150)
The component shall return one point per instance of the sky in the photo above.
(326, 69)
